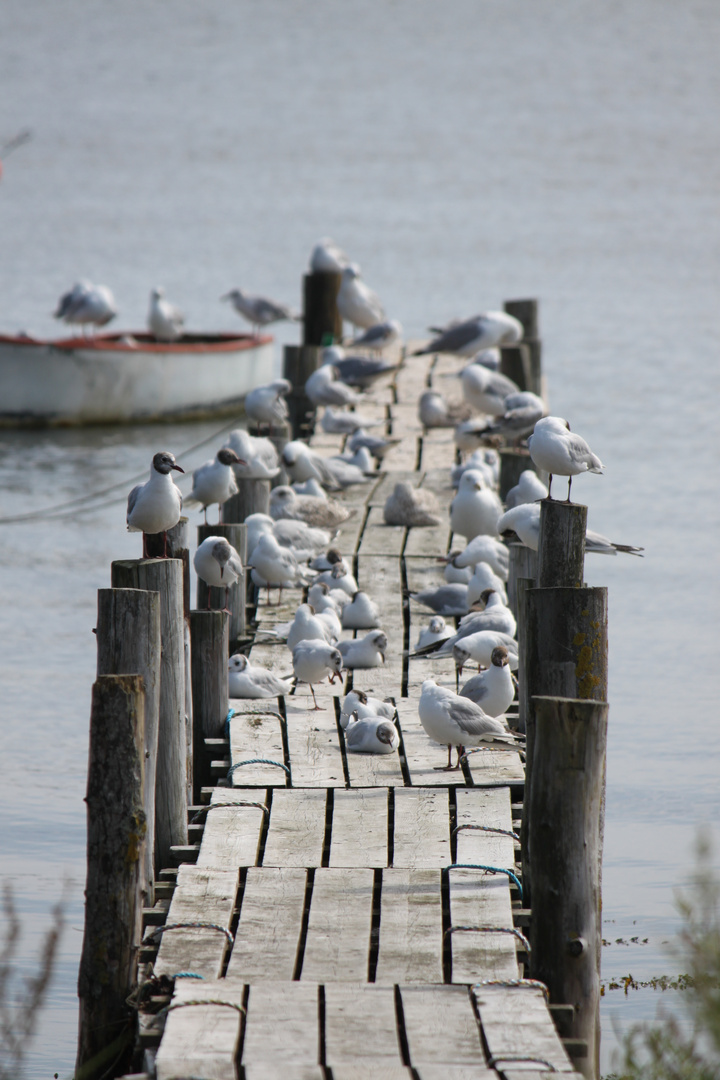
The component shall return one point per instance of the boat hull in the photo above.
(120, 379)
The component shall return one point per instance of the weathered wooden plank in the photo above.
(270, 1070)
(360, 1071)
(479, 899)
(313, 741)
(201, 895)
(411, 935)
(516, 1022)
(338, 938)
(489, 808)
(403, 458)
(359, 828)
(201, 1040)
(423, 572)
(422, 829)
(492, 766)
(388, 482)
(375, 770)
(379, 538)
(231, 835)
(462, 1072)
(439, 449)
(428, 541)
(297, 828)
(267, 936)
(440, 1026)
(282, 1028)
(256, 733)
(360, 1027)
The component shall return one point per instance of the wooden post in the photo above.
(253, 497)
(523, 564)
(128, 643)
(237, 536)
(299, 362)
(565, 839)
(527, 312)
(165, 576)
(513, 462)
(515, 364)
(209, 633)
(561, 550)
(566, 643)
(178, 547)
(115, 849)
(321, 318)
(522, 584)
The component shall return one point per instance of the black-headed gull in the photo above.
(317, 512)
(524, 522)
(479, 648)
(371, 735)
(356, 302)
(484, 549)
(411, 507)
(214, 481)
(258, 310)
(306, 626)
(155, 506)
(364, 652)
(476, 509)
(165, 321)
(481, 332)
(275, 567)
(313, 660)
(456, 721)
(362, 703)
(266, 404)
(529, 488)
(560, 452)
(326, 387)
(339, 578)
(361, 613)
(434, 411)
(334, 473)
(247, 680)
(218, 564)
(327, 257)
(493, 690)
(436, 631)
(486, 390)
(258, 458)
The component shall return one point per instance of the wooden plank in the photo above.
(479, 899)
(267, 936)
(313, 741)
(428, 541)
(231, 835)
(411, 935)
(379, 538)
(402, 458)
(517, 1022)
(338, 938)
(360, 1071)
(360, 1027)
(297, 828)
(462, 1072)
(201, 895)
(388, 482)
(439, 449)
(359, 828)
(256, 733)
(268, 1070)
(201, 1040)
(422, 829)
(440, 1026)
(493, 766)
(489, 807)
(282, 1028)
(375, 770)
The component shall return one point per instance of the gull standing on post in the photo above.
(457, 721)
(246, 680)
(266, 404)
(312, 661)
(524, 522)
(560, 452)
(356, 302)
(214, 482)
(219, 565)
(328, 257)
(155, 506)
(165, 321)
(259, 310)
(481, 332)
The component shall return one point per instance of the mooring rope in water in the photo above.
(488, 869)
(489, 930)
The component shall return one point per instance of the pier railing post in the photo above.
(115, 849)
(209, 633)
(565, 825)
(299, 362)
(237, 536)
(522, 564)
(321, 318)
(253, 497)
(178, 547)
(561, 549)
(172, 775)
(128, 643)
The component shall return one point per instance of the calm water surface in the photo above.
(464, 154)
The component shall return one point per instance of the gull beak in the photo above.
(178, 468)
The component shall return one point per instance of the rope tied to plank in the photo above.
(228, 718)
(208, 1001)
(256, 761)
(520, 1059)
(488, 870)
(186, 975)
(490, 930)
(192, 926)
(531, 984)
(222, 805)
(488, 829)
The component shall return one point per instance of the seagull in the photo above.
(371, 735)
(87, 304)
(411, 507)
(456, 721)
(304, 541)
(307, 626)
(479, 649)
(380, 335)
(266, 404)
(327, 559)
(325, 387)
(357, 371)
(484, 458)
(319, 513)
(493, 690)
(333, 473)
(481, 332)
(494, 615)
(435, 412)
(155, 506)
(68, 302)
(259, 310)
(361, 613)
(486, 390)
(484, 549)
(165, 321)
(364, 652)
(560, 452)
(435, 631)
(475, 510)
(257, 456)
(275, 567)
(484, 577)
(214, 481)
(524, 521)
(246, 680)
(444, 599)
(328, 258)
(489, 358)
(356, 302)
(312, 661)
(322, 597)
(345, 423)
(529, 488)
(522, 412)
(338, 578)
(218, 564)
(377, 446)
(360, 702)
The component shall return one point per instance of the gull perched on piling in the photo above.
(155, 506)
(459, 722)
(356, 302)
(327, 257)
(266, 404)
(259, 310)
(481, 332)
(218, 564)
(165, 321)
(214, 481)
(560, 452)
(246, 680)
(524, 522)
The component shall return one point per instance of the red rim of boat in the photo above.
(130, 342)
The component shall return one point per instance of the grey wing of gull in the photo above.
(466, 717)
(132, 498)
(372, 334)
(268, 309)
(328, 477)
(456, 337)
(266, 681)
(501, 385)
(475, 689)
(453, 595)
(355, 370)
(578, 448)
(235, 564)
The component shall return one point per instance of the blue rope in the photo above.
(185, 975)
(487, 828)
(228, 718)
(489, 869)
(256, 761)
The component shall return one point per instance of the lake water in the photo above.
(464, 154)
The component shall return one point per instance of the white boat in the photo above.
(128, 378)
